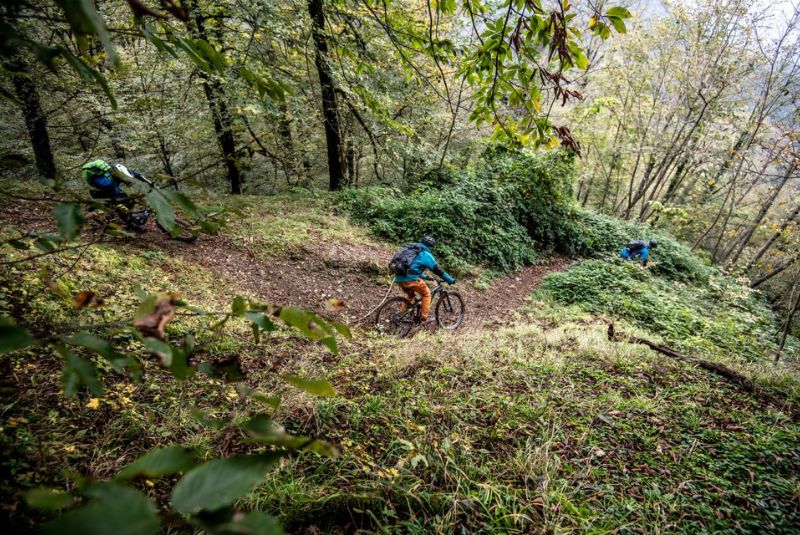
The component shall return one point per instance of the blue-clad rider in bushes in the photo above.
(638, 250)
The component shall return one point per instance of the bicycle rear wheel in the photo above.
(450, 311)
(395, 317)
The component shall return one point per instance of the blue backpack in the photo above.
(402, 259)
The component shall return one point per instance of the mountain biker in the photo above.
(411, 281)
(639, 249)
(105, 181)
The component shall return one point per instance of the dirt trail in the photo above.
(321, 270)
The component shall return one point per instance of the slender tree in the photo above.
(330, 111)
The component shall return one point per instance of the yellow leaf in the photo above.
(537, 105)
(592, 22)
(93, 403)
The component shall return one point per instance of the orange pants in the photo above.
(418, 287)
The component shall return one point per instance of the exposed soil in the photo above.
(319, 271)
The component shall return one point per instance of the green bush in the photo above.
(723, 318)
(543, 186)
(495, 212)
(599, 234)
(472, 221)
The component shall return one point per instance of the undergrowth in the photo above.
(499, 212)
(722, 319)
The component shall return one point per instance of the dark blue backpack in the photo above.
(402, 259)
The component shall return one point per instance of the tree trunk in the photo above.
(762, 213)
(35, 119)
(773, 238)
(774, 271)
(329, 107)
(789, 317)
(215, 95)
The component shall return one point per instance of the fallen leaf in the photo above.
(152, 322)
(85, 299)
(335, 305)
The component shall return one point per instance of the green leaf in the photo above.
(187, 45)
(84, 19)
(317, 387)
(148, 32)
(18, 244)
(341, 328)
(182, 201)
(239, 306)
(263, 430)
(44, 245)
(114, 510)
(48, 499)
(69, 218)
(212, 56)
(272, 401)
(97, 345)
(13, 337)
(259, 321)
(255, 523)
(619, 12)
(79, 371)
(618, 24)
(88, 74)
(171, 357)
(311, 325)
(159, 462)
(163, 209)
(221, 482)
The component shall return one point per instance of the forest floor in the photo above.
(534, 423)
(309, 267)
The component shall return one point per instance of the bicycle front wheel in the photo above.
(395, 317)
(450, 311)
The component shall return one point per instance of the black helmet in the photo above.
(428, 241)
(653, 244)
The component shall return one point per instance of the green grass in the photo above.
(722, 320)
(540, 430)
(284, 224)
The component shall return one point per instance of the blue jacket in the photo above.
(423, 261)
(640, 251)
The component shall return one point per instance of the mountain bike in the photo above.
(398, 315)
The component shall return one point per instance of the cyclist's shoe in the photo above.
(427, 321)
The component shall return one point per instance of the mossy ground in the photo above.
(541, 425)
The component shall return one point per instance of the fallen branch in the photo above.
(733, 376)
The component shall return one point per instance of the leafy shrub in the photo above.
(724, 318)
(472, 221)
(543, 185)
(595, 234)
(493, 214)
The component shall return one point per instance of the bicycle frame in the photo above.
(416, 304)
